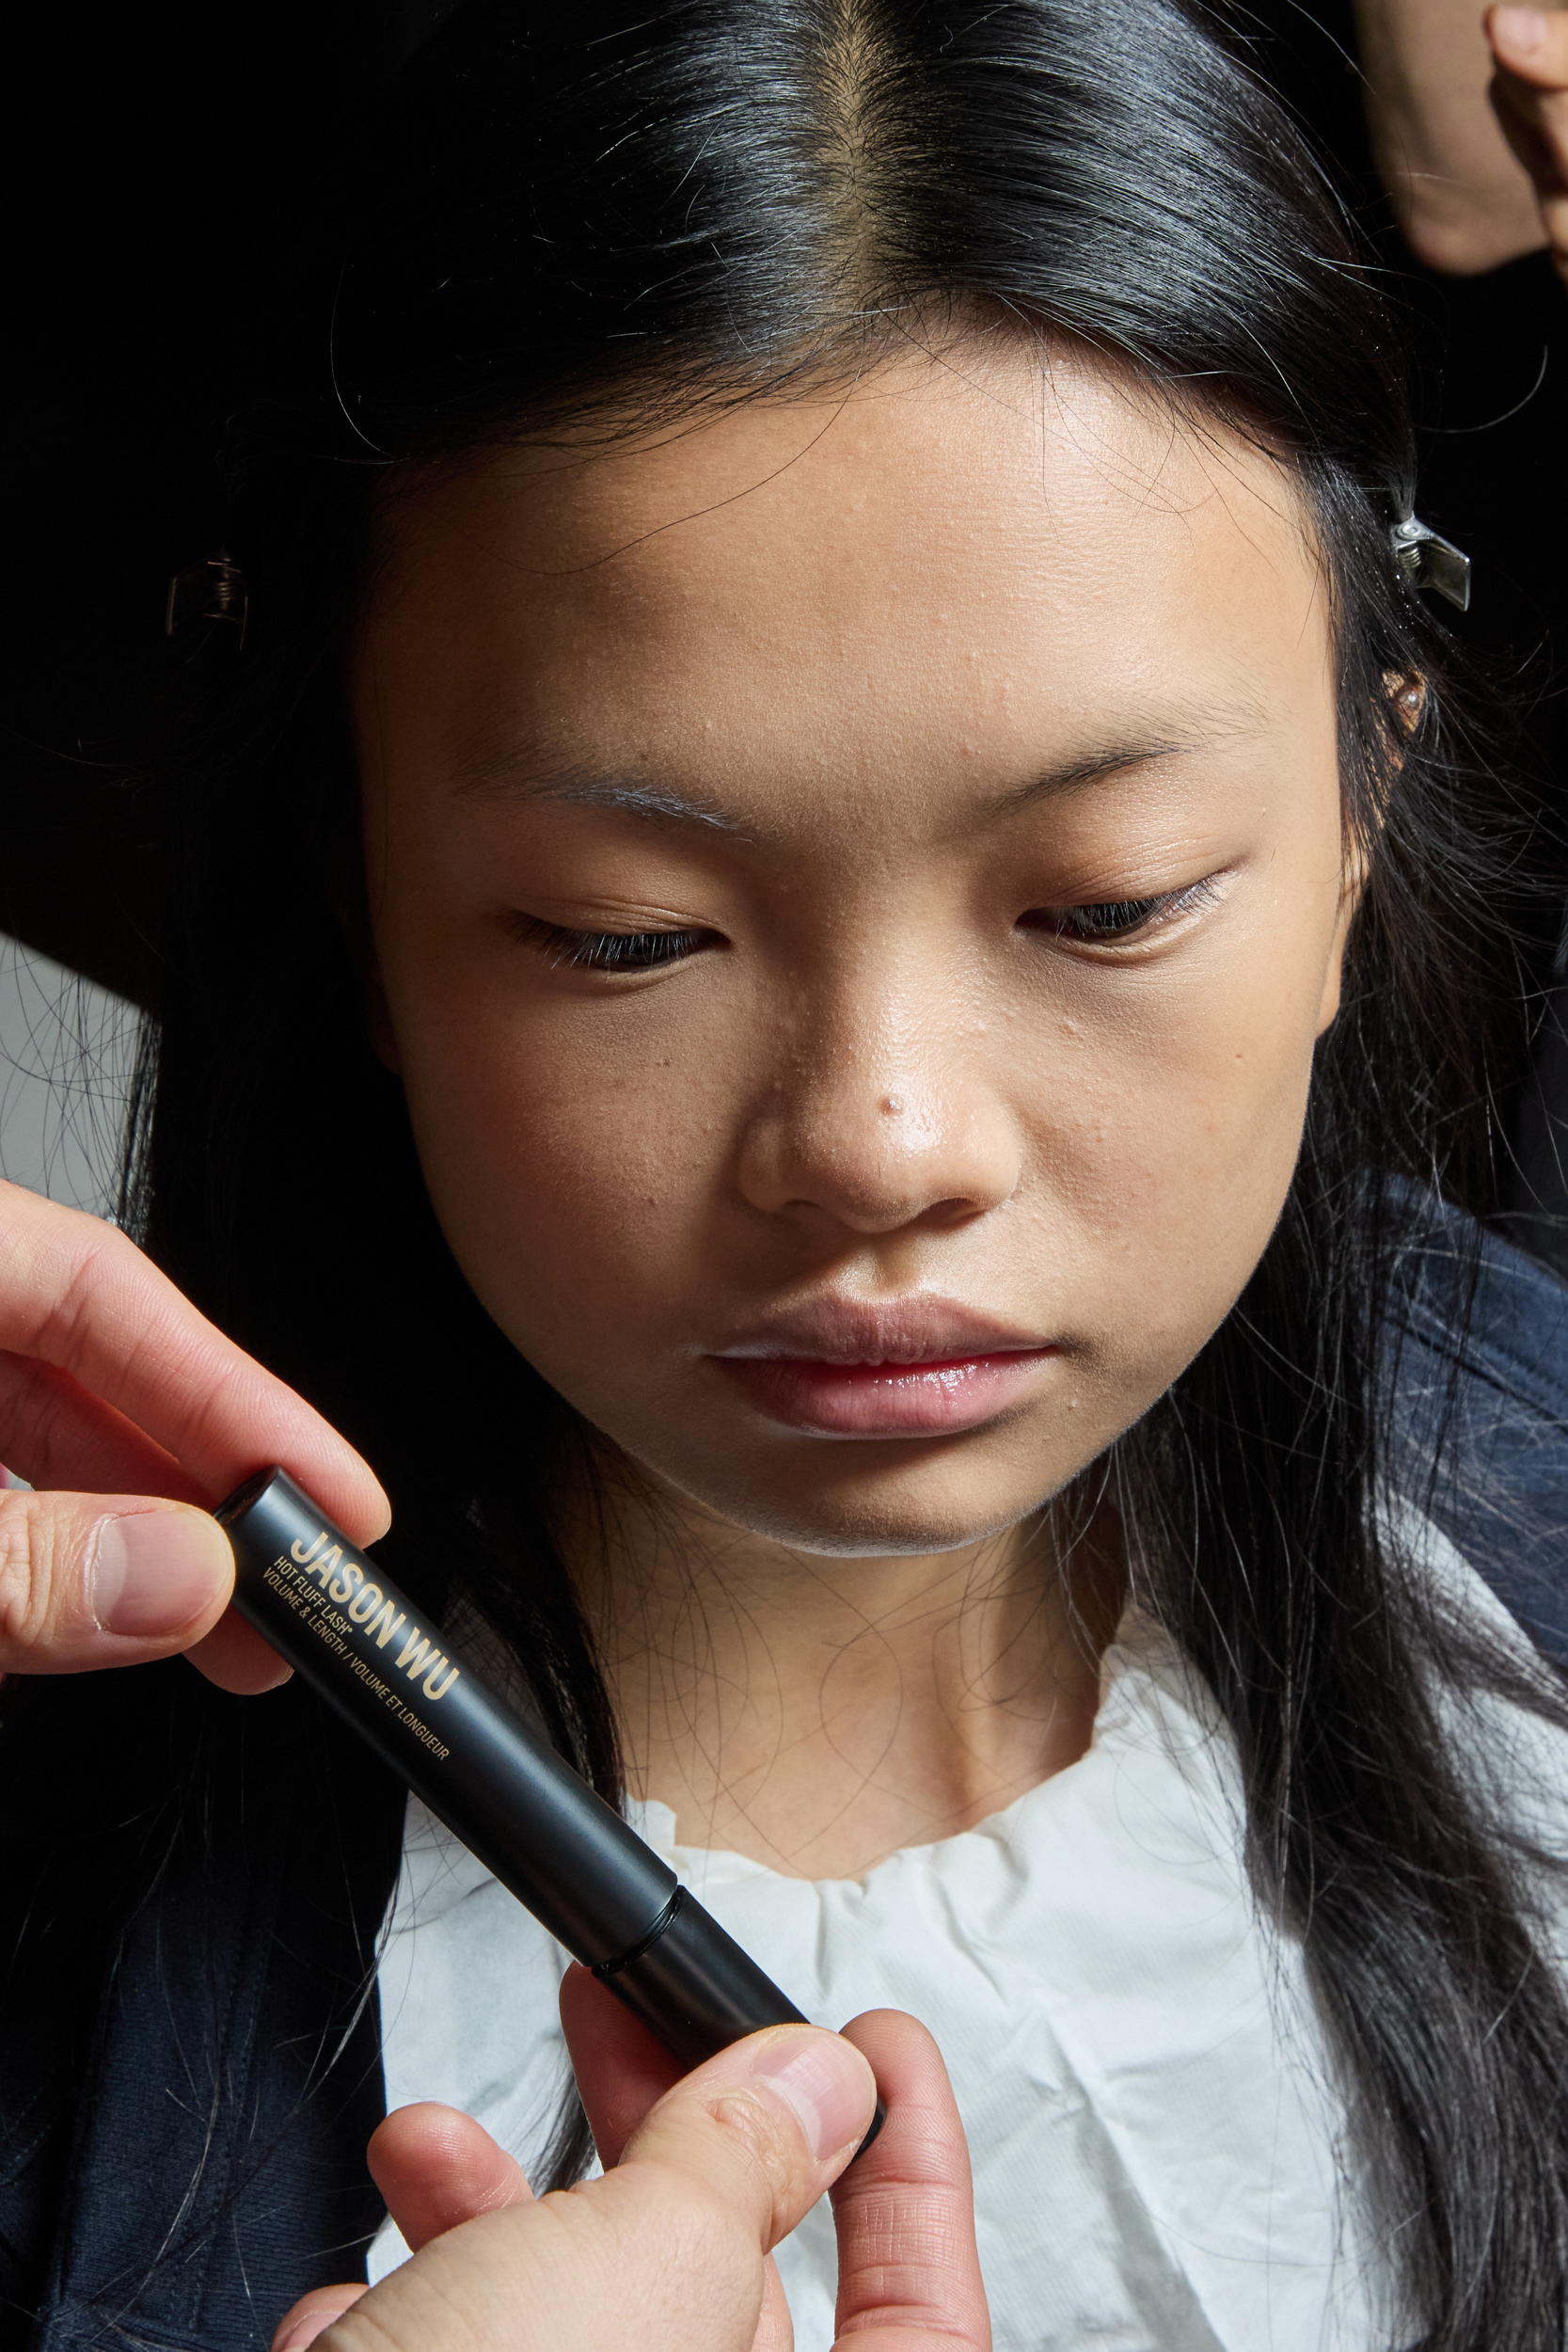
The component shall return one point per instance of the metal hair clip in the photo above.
(1428, 561)
(214, 591)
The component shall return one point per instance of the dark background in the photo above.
(179, 176)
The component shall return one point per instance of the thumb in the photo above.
(92, 1581)
(765, 2126)
(667, 2251)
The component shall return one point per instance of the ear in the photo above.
(1407, 696)
(1405, 691)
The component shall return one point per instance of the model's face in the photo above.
(855, 888)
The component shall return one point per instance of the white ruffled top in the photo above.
(1162, 2161)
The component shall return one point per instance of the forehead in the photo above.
(947, 559)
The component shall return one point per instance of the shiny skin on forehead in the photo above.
(947, 571)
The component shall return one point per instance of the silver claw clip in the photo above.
(213, 591)
(1429, 561)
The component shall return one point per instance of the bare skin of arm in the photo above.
(1463, 197)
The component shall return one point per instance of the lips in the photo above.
(845, 1368)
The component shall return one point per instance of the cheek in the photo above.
(570, 1159)
(1167, 1123)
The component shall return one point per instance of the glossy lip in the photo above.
(854, 1368)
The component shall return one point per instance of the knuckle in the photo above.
(36, 1403)
(30, 1545)
(88, 1259)
(764, 2150)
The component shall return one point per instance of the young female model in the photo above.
(834, 963)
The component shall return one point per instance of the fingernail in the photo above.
(304, 2331)
(821, 2081)
(1524, 30)
(154, 1571)
(307, 2328)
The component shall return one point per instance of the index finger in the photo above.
(907, 2264)
(621, 2070)
(77, 1295)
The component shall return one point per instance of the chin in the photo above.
(848, 1518)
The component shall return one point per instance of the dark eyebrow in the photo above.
(513, 777)
(1185, 734)
(488, 771)
(1073, 773)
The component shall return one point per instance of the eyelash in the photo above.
(1113, 920)
(615, 951)
(1106, 924)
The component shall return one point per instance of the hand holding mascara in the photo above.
(549, 1840)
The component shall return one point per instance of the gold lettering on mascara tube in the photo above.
(372, 1616)
(327, 1568)
(373, 1681)
(386, 1625)
(414, 1653)
(421, 1732)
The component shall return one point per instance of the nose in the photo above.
(878, 1117)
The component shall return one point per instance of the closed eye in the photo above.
(613, 951)
(1111, 922)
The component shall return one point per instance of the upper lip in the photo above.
(920, 1331)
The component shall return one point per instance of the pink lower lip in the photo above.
(886, 1400)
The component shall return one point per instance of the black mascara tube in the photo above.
(554, 1844)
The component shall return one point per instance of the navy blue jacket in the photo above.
(184, 2099)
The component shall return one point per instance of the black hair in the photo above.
(624, 212)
